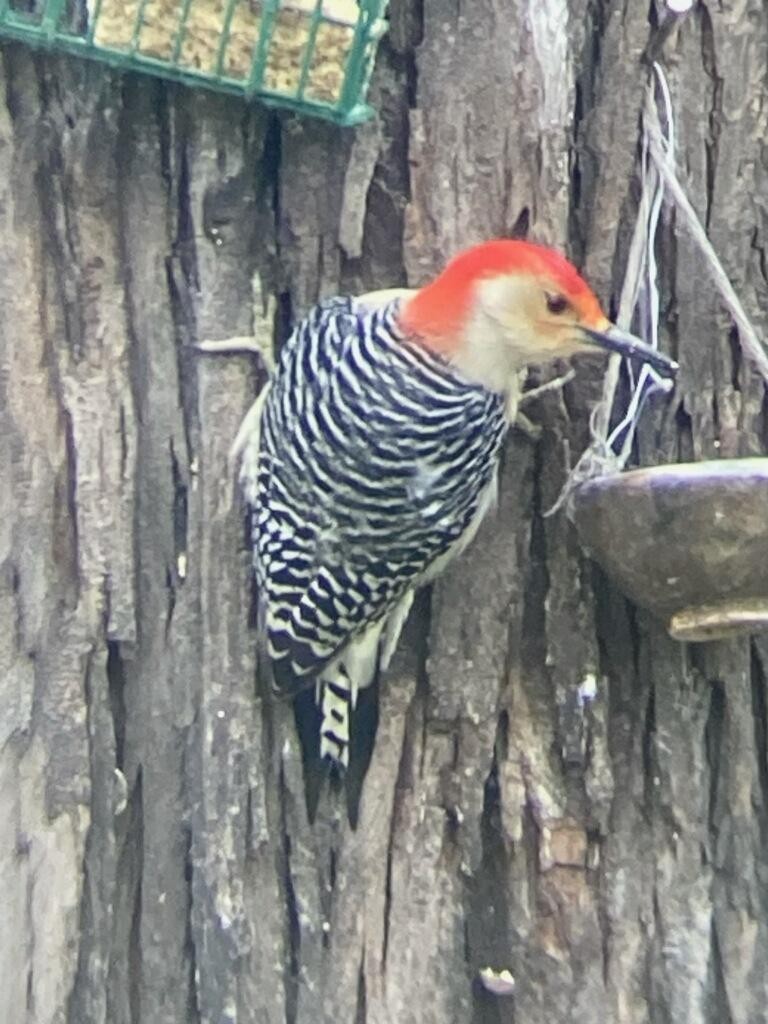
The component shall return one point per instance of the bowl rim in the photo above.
(708, 471)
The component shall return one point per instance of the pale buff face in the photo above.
(517, 320)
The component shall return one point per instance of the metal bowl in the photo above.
(688, 542)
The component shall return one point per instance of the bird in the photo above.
(370, 458)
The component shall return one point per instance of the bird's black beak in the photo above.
(615, 340)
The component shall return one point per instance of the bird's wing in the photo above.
(370, 468)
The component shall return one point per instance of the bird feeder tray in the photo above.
(311, 56)
(688, 542)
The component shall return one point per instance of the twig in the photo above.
(750, 342)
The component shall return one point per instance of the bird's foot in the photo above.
(550, 385)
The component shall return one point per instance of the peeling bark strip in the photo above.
(556, 789)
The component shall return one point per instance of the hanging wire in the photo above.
(609, 450)
(640, 291)
(750, 343)
(652, 197)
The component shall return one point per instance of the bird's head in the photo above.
(503, 305)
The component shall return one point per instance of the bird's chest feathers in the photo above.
(405, 443)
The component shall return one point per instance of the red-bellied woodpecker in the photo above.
(371, 457)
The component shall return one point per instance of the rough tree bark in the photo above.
(156, 862)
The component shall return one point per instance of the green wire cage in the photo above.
(312, 56)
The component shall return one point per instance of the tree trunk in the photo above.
(157, 865)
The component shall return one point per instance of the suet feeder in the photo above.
(311, 56)
(688, 542)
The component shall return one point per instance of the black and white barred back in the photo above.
(374, 460)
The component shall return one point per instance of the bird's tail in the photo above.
(336, 696)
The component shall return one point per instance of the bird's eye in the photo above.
(556, 303)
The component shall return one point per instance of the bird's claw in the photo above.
(550, 385)
(527, 427)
